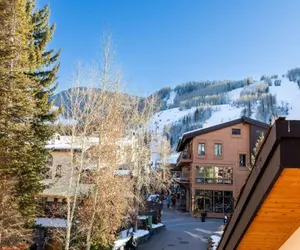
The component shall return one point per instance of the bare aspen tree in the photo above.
(99, 196)
(146, 179)
(76, 127)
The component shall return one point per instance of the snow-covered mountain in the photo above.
(199, 104)
(263, 100)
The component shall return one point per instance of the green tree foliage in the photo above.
(25, 80)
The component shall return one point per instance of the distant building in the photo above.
(214, 164)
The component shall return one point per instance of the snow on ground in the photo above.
(171, 98)
(216, 240)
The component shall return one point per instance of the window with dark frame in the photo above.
(243, 161)
(214, 175)
(218, 149)
(58, 171)
(201, 149)
(236, 131)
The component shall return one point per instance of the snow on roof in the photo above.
(51, 222)
(65, 142)
(64, 146)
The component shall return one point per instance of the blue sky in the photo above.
(163, 43)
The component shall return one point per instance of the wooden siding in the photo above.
(279, 215)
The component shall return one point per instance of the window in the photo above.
(201, 149)
(217, 201)
(236, 131)
(58, 171)
(214, 175)
(243, 160)
(218, 149)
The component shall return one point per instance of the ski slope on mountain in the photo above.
(287, 92)
(167, 117)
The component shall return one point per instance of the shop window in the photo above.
(217, 201)
(201, 149)
(243, 160)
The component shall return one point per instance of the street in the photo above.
(182, 232)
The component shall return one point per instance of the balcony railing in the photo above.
(184, 157)
(200, 180)
(182, 179)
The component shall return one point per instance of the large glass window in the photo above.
(214, 175)
(201, 149)
(218, 149)
(217, 201)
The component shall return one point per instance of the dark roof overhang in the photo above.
(280, 150)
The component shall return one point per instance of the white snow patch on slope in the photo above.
(167, 117)
(288, 92)
(172, 96)
(223, 113)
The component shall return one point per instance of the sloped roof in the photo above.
(265, 212)
(191, 134)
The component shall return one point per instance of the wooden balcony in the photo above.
(184, 159)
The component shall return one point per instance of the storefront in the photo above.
(214, 202)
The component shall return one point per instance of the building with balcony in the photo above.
(215, 162)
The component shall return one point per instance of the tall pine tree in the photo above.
(27, 74)
(17, 102)
(44, 66)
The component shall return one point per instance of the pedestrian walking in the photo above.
(203, 215)
(225, 219)
(173, 200)
(168, 200)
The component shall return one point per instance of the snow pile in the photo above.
(215, 240)
(120, 243)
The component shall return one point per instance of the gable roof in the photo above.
(191, 134)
